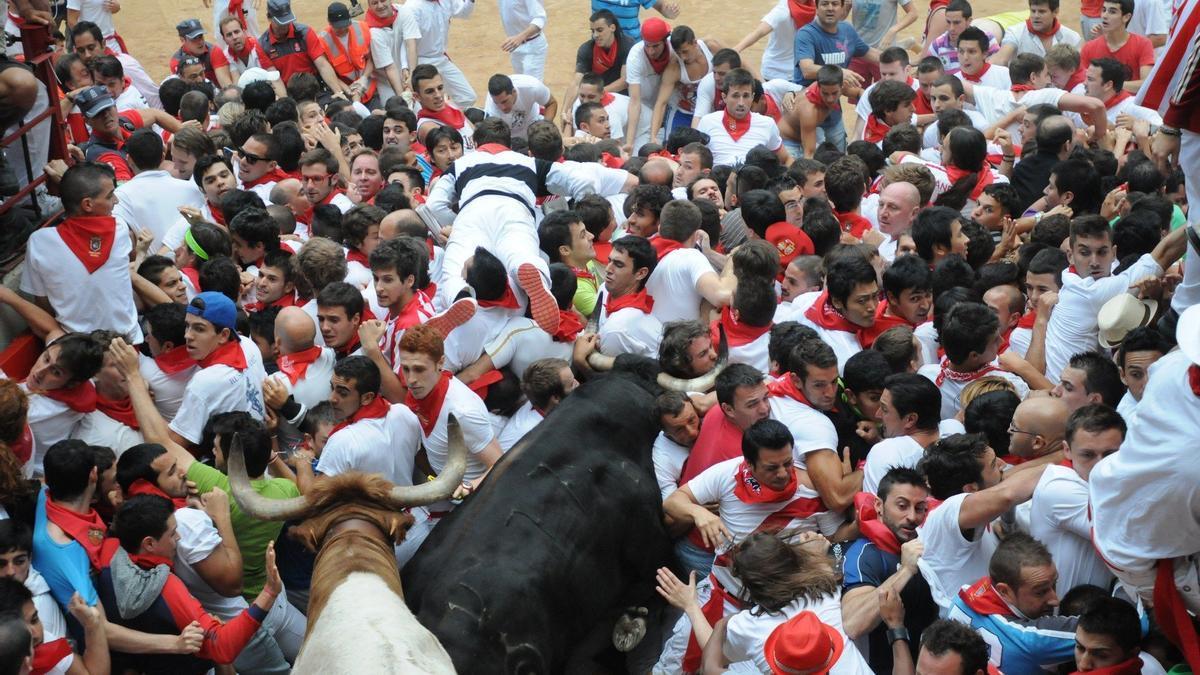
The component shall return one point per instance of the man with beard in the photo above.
(885, 559)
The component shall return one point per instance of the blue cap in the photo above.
(215, 308)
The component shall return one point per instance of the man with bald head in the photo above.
(1038, 427)
(898, 206)
(1055, 139)
(304, 372)
(657, 172)
(290, 193)
(1008, 303)
(400, 223)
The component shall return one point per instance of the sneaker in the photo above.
(542, 306)
(456, 315)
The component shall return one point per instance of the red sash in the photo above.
(49, 654)
(273, 176)
(1043, 34)
(1169, 609)
(983, 599)
(295, 365)
(735, 127)
(1116, 99)
(883, 321)
(121, 411)
(954, 376)
(90, 238)
(978, 76)
(229, 354)
(174, 360)
(737, 333)
(448, 115)
(663, 246)
(824, 315)
(569, 325)
(429, 408)
(640, 301)
(984, 178)
(713, 610)
(801, 13)
(604, 59)
(876, 129)
(378, 407)
(1194, 379)
(79, 397)
(872, 527)
(142, 486)
(86, 529)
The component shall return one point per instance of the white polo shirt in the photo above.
(531, 95)
(151, 200)
(384, 445)
(1058, 517)
(726, 150)
(672, 284)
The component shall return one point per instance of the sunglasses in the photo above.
(251, 158)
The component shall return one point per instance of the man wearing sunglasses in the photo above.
(256, 165)
(1038, 427)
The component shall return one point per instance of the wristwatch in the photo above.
(900, 633)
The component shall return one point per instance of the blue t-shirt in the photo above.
(812, 42)
(627, 14)
(866, 564)
(66, 567)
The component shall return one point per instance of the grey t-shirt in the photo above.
(873, 18)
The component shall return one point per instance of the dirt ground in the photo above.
(148, 28)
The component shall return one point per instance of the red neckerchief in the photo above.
(785, 388)
(582, 273)
(872, 527)
(378, 407)
(883, 321)
(569, 325)
(824, 315)
(977, 76)
(87, 529)
(813, 93)
(507, 301)
(481, 384)
(295, 365)
(217, 216)
(332, 194)
(1018, 88)
(603, 251)
(493, 148)
(853, 223)
(229, 354)
(49, 654)
(1075, 80)
(735, 127)
(428, 409)
(79, 397)
(149, 561)
(409, 315)
(142, 486)
(1194, 379)
(90, 238)
(1043, 34)
(983, 178)
(121, 411)
(349, 347)
(922, 104)
(749, 491)
(876, 129)
(640, 301)
(247, 49)
(355, 255)
(737, 333)
(193, 275)
(373, 21)
(663, 246)
(660, 64)
(604, 59)
(1131, 667)
(1116, 99)
(273, 176)
(801, 13)
(448, 115)
(983, 599)
(1067, 463)
(285, 300)
(1027, 319)
(955, 376)
(174, 360)
(607, 98)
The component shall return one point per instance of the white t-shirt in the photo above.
(434, 18)
(778, 56)
(151, 200)
(746, 634)
(96, 428)
(951, 561)
(1028, 43)
(472, 416)
(216, 389)
(83, 301)
(618, 115)
(1128, 107)
(672, 284)
(1058, 517)
(726, 150)
(387, 47)
(706, 95)
(94, 11)
(532, 94)
(811, 429)
(517, 15)
(669, 458)
(845, 344)
(50, 421)
(1019, 339)
(886, 454)
(639, 71)
(753, 353)
(314, 387)
(994, 102)
(1074, 326)
(930, 140)
(131, 99)
(863, 107)
(1150, 17)
(384, 445)
(629, 331)
(198, 538)
(996, 76)
(167, 390)
(952, 389)
(522, 421)
(927, 336)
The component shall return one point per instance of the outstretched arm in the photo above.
(153, 426)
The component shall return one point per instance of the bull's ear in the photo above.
(398, 526)
(305, 535)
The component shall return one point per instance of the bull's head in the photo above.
(397, 498)
(602, 362)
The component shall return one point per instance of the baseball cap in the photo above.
(190, 28)
(655, 29)
(252, 75)
(339, 15)
(94, 100)
(215, 308)
(280, 11)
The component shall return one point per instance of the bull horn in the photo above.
(447, 481)
(248, 500)
(600, 362)
(705, 381)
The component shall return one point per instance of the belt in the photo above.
(499, 193)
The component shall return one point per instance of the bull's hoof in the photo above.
(629, 629)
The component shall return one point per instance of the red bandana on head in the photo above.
(983, 598)
(174, 360)
(377, 408)
(119, 410)
(1054, 28)
(87, 529)
(448, 115)
(802, 13)
(79, 397)
(604, 59)
(229, 354)
(977, 76)
(429, 408)
(735, 127)
(824, 315)
(142, 486)
(640, 301)
(295, 365)
(90, 238)
(736, 332)
(872, 527)
(749, 491)
(663, 246)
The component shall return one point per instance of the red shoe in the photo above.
(458, 314)
(541, 304)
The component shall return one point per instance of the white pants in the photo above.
(521, 342)
(457, 86)
(287, 625)
(530, 58)
(1188, 292)
(504, 227)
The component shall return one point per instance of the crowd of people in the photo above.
(946, 286)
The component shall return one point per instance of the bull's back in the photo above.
(365, 628)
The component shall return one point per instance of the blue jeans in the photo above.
(693, 559)
(832, 130)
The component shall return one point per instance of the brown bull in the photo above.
(357, 619)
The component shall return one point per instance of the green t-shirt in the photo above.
(586, 289)
(253, 534)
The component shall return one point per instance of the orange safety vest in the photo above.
(348, 61)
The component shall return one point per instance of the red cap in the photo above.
(790, 241)
(655, 29)
(803, 644)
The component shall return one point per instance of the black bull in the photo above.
(563, 536)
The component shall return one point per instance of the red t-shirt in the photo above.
(290, 55)
(1135, 53)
